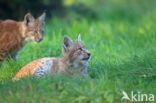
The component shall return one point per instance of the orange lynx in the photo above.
(14, 35)
(74, 62)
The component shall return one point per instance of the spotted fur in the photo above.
(44, 68)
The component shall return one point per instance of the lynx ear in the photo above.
(79, 38)
(66, 45)
(42, 17)
(28, 19)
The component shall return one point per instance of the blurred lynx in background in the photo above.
(14, 35)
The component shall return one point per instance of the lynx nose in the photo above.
(89, 54)
(38, 40)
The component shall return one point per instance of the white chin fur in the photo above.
(28, 39)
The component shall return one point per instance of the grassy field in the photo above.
(123, 45)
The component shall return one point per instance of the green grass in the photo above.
(123, 47)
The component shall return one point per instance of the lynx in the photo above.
(14, 35)
(74, 62)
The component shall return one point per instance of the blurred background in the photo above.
(90, 9)
(16, 9)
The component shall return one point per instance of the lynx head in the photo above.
(75, 51)
(34, 28)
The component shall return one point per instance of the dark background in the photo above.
(16, 9)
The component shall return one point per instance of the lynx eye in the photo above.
(80, 49)
(35, 31)
(42, 32)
